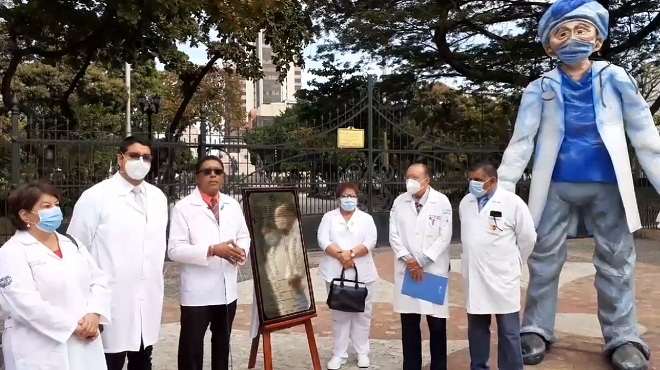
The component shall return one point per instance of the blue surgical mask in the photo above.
(476, 188)
(348, 204)
(50, 219)
(575, 51)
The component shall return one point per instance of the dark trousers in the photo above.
(194, 322)
(411, 338)
(140, 360)
(509, 352)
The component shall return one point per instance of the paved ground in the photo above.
(577, 324)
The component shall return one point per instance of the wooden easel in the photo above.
(266, 330)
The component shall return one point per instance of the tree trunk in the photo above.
(174, 131)
(65, 104)
(7, 93)
(656, 106)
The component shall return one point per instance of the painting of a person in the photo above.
(283, 275)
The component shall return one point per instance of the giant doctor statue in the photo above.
(575, 119)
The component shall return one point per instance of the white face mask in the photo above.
(348, 204)
(137, 169)
(413, 186)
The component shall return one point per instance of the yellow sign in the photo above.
(350, 138)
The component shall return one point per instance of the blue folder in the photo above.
(432, 288)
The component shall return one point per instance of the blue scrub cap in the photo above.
(564, 10)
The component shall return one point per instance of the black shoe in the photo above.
(533, 348)
(629, 357)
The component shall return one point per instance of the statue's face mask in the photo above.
(573, 41)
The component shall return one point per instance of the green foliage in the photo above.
(431, 116)
(450, 116)
(488, 43)
(217, 101)
(73, 36)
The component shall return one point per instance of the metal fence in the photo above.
(310, 160)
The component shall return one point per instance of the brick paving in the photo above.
(579, 346)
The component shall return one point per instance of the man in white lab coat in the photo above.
(209, 237)
(497, 235)
(420, 233)
(123, 221)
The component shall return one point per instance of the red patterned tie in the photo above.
(216, 209)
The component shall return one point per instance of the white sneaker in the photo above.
(335, 363)
(363, 361)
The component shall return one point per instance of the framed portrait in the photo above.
(280, 268)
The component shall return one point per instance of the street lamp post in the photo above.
(149, 105)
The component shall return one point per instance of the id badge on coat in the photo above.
(495, 226)
(435, 221)
(492, 229)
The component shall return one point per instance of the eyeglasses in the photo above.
(209, 171)
(348, 196)
(133, 155)
(582, 31)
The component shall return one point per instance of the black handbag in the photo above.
(347, 295)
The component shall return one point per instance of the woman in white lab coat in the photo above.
(348, 235)
(53, 291)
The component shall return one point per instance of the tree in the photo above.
(217, 101)
(649, 84)
(429, 117)
(79, 33)
(490, 44)
(285, 25)
(74, 35)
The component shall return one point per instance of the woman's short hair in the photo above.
(341, 188)
(25, 197)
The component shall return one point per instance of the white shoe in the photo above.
(363, 361)
(335, 363)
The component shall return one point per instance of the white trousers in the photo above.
(352, 327)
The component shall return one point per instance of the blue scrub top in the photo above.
(583, 157)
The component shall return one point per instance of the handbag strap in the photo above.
(343, 272)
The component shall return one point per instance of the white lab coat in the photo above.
(425, 234)
(360, 229)
(494, 250)
(620, 110)
(129, 244)
(349, 327)
(45, 297)
(206, 281)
